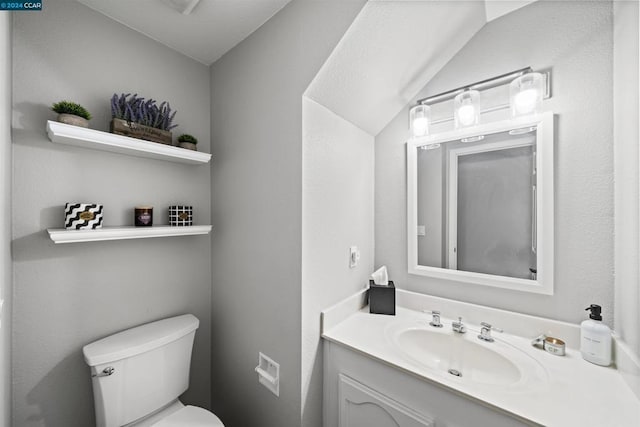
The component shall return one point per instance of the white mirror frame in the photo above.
(544, 206)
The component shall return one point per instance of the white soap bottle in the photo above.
(595, 338)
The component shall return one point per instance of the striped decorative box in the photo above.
(83, 216)
(180, 215)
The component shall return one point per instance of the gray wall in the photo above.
(575, 40)
(256, 181)
(5, 218)
(431, 209)
(66, 296)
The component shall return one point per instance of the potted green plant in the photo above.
(72, 113)
(187, 141)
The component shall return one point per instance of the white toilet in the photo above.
(139, 373)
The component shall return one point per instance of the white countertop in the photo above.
(574, 392)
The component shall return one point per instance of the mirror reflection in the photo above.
(476, 205)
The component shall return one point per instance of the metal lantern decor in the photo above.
(83, 216)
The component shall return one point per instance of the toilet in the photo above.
(138, 374)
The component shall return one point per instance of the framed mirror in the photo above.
(480, 204)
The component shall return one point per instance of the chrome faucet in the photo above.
(458, 326)
(435, 320)
(485, 332)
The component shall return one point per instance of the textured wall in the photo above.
(256, 181)
(575, 40)
(5, 214)
(69, 295)
(337, 212)
(388, 53)
(626, 132)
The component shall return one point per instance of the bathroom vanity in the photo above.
(400, 371)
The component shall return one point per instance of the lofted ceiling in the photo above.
(388, 54)
(392, 49)
(205, 31)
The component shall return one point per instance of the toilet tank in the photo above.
(149, 367)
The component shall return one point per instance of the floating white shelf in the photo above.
(89, 138)
(61, 235)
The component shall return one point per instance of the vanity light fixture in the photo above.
(467, 109)
(419, 118)
(525, 94)
(526, 91)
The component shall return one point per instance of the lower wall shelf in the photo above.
(61, 235)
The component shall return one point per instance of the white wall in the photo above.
(390, 50)
(337, 212)
(66, 296)
(5, 215)
(256, 181)
(627, 215)
(575, 40)
(494, 9)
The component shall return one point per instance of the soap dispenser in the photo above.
(595, 338)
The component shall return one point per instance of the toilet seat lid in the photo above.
(190, 416)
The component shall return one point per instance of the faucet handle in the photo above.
(458, 326)
(485, 331)
(435, 321)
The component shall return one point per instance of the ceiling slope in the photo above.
(211, 29)
(497, 8)
(392, 49)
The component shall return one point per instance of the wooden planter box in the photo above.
(136, 130)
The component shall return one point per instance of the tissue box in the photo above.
(382, 299)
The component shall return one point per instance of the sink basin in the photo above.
(463, 357)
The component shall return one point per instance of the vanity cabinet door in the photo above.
(362, 406)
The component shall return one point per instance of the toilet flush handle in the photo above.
(109, 370)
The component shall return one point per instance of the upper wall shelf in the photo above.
(97, 140)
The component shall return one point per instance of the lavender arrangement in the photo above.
(144, 112)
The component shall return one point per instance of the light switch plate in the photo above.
(354, 256)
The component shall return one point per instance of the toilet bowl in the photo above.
(138, 374)
(177, 415)
(192, 416)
